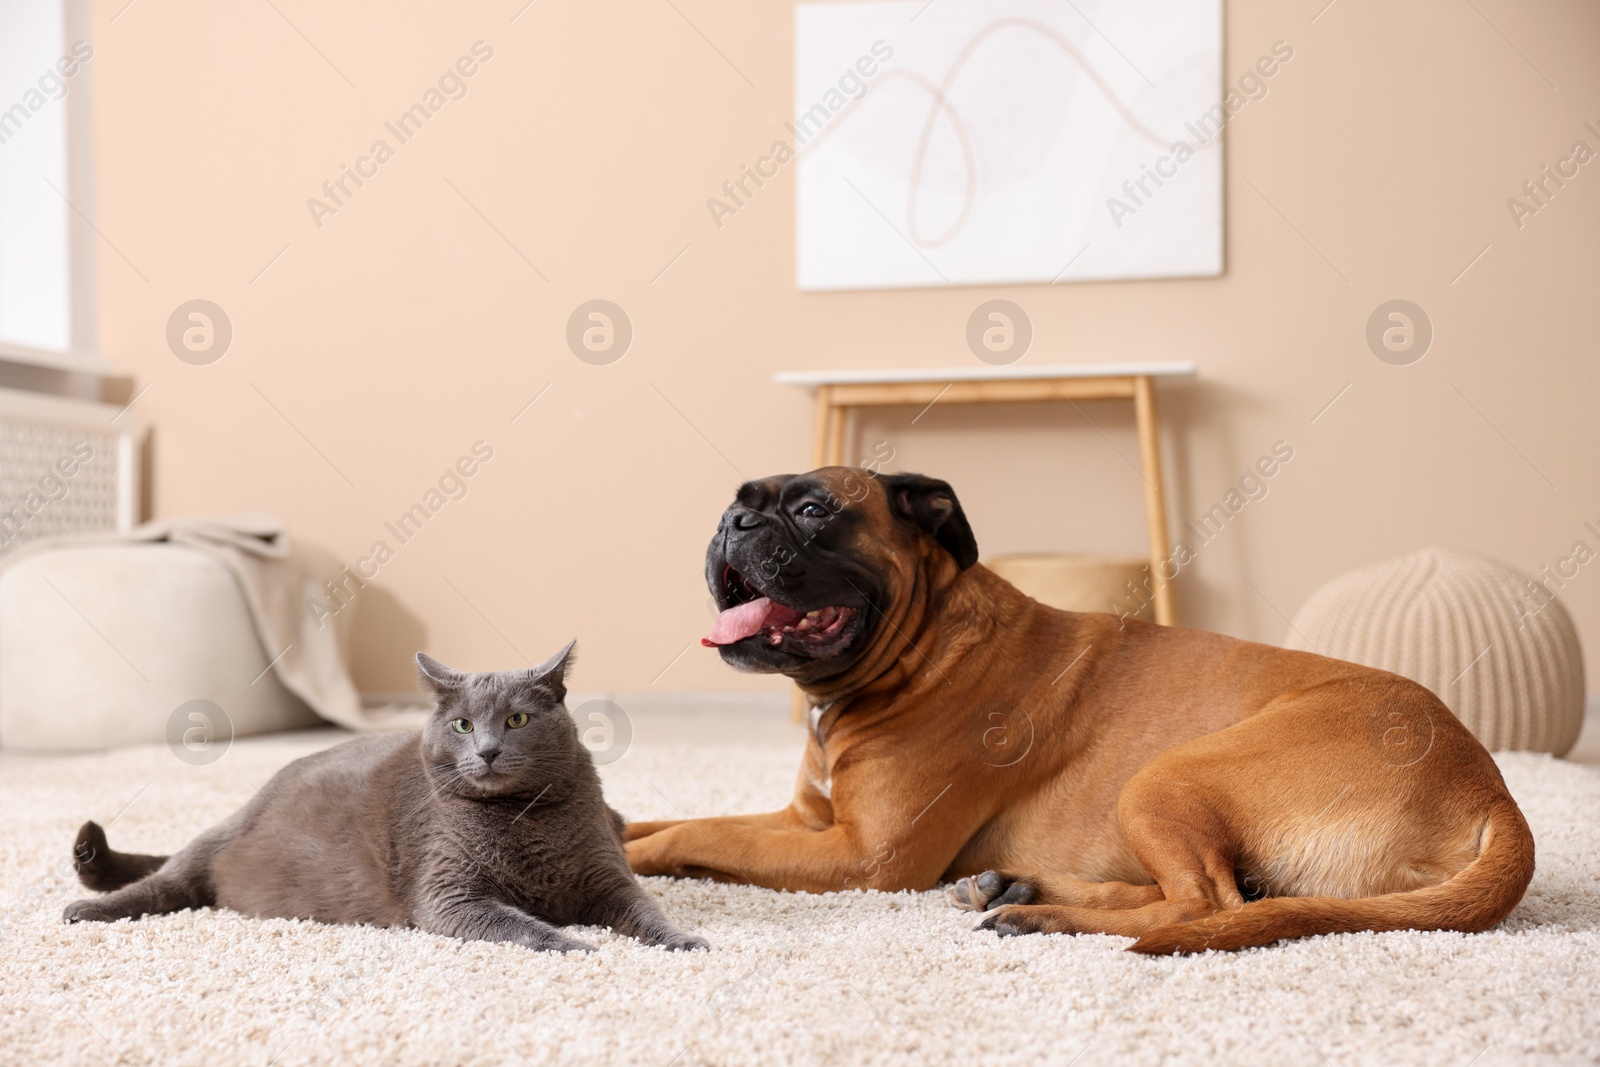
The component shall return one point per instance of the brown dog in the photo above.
(1128, 778)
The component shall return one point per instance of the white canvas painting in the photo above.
(996, 140)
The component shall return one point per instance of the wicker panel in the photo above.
(37, 499)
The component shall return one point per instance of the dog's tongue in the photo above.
(747, 620)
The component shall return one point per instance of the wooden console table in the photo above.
(841, 391)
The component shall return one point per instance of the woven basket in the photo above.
(1502, 655)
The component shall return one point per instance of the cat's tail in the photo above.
(101, 869)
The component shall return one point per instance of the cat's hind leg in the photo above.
(103, 869)
(482, 919)
(176, 886)
(182, 881)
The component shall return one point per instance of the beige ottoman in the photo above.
(1500, 653)
(115, 644)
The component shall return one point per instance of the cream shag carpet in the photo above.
(842, 978)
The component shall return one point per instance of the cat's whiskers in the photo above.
(535, 762)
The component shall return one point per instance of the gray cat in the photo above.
(488, 825)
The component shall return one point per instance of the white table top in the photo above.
(1011, 372)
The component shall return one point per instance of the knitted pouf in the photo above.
(1494, 645)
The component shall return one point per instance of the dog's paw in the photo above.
(1014, 920)
(991, 889)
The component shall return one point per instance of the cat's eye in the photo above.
(517, 720)
(461, 726)
(814, 511)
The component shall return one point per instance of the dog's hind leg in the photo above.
(1182, 897)
(1179, 838)
(995, 889)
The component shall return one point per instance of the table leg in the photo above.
(1155, 497)
(836, 435)
(819, 437)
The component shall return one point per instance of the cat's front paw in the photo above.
(86, 911)
(680, 942)
(566, 944)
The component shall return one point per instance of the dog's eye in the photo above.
(813, 511)
(517, 720)
(461, 726)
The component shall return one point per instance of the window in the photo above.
(46, 246)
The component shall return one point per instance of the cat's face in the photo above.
(499, 733)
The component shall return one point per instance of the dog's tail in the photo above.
(101, 869)
(1479, 896)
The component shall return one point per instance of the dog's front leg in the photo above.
(786, 817)
(635, 830)
(790, 857)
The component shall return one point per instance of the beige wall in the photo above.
(405, 328)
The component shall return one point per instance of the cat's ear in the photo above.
(438, 678)
(552, 673)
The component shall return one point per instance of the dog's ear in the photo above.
(932, 505)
